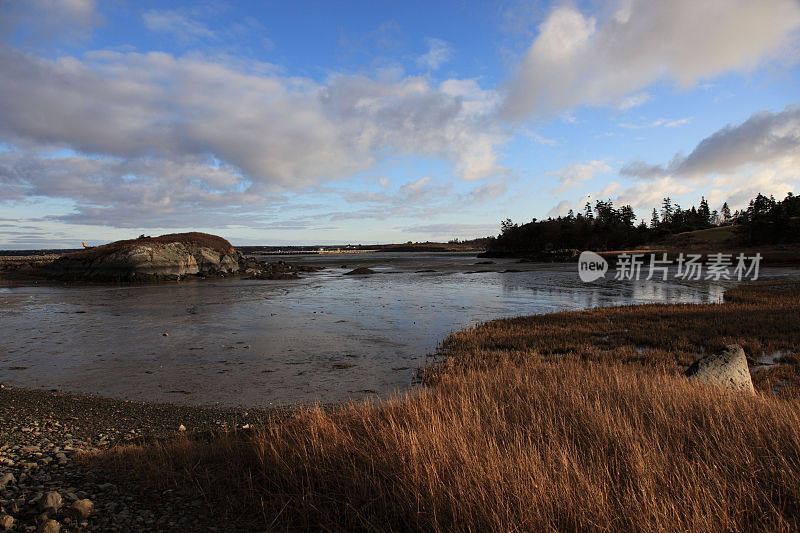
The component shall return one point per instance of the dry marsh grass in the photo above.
(558, 441)
(764, 318)
(559, 446)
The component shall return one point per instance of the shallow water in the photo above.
(326, 337)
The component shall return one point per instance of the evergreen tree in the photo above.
(704, 212)
(725, 212)
(507, 225)
(626, 215)
(605, 227)
(666, 210)
(654, 222)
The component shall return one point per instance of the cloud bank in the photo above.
(267, 131)
(766, 138)
(577, 59)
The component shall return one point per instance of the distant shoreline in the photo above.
(772, 255)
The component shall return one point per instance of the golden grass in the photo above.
(561, 446)
(763, 318)
(568, 439)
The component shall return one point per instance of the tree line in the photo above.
(604, 227)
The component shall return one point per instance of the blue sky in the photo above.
(311, 122)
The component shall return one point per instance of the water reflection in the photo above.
(326, 337)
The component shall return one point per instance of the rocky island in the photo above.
(169, 257)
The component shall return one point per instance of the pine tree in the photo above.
(725, 212)
(588, 211)
(704, 212)
(654, 219)
(666, 210)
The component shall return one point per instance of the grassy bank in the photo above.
(764, 318)
(541, 423)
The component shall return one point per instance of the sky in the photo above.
(282, 123)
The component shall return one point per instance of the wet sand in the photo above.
(327, 337)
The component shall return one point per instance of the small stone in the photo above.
(51, 502)
(50, 526)
(82, 508)
(6, 522)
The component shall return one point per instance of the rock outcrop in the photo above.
(251, 268)
(727, 368)
(166, 257)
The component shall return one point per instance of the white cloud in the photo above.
(415, 187)
(580, 60)
(634, 100)
(420, 198)
(576, 174)
(660, 122)
(488, 191)
(538, 139)
(475, 99)
(561, 209)
(643, 197)
(179, 24)
(439, 52)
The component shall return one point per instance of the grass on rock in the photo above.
(214, 242)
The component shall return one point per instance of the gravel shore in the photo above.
(43, 489)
